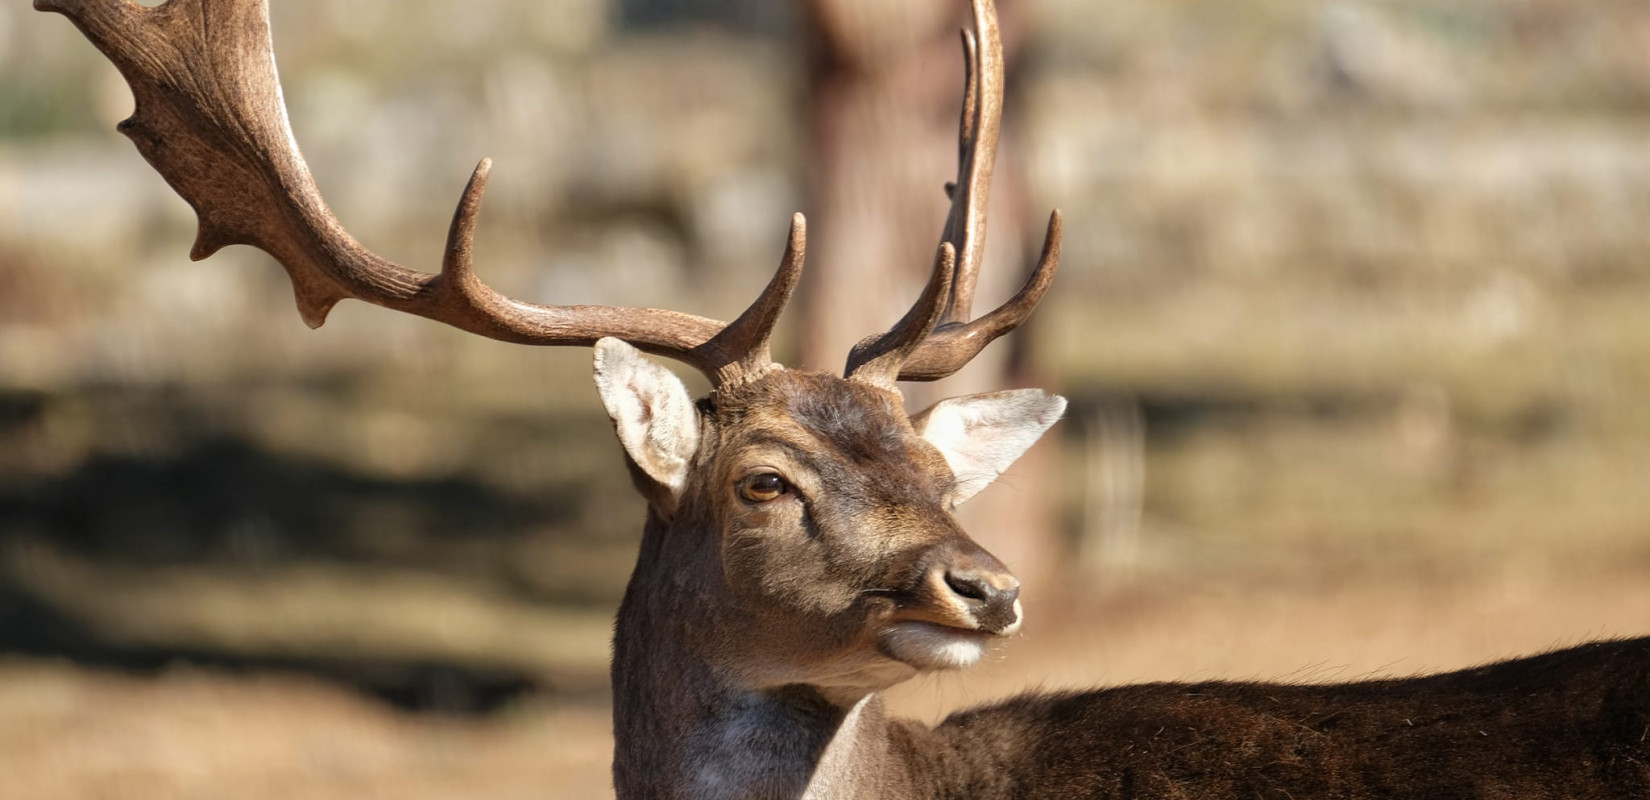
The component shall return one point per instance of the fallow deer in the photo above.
(800, 555)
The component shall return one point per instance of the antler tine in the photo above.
(955, 339)
(210, 120)
(977, 134)
(741, 349)
(878, 359)
(953, 345)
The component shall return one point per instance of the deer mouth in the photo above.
(933, 646)
(945, 622)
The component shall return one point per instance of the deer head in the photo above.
(801, 521)
(810, 522)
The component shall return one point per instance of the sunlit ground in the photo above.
(68, 732)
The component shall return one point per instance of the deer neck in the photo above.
(682, 730)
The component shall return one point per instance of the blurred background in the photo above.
(1352, 315)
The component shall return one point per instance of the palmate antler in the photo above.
(211, 120)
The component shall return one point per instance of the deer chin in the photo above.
(930, 647)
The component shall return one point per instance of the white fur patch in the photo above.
(981, 435)
(652, 413)
(927, 646)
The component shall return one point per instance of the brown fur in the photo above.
(1569, 724)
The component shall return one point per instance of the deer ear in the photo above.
(980, 435)
(652, 413)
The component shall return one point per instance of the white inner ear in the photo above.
(980, 435)
(651, 411)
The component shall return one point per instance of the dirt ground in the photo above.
(70, 732)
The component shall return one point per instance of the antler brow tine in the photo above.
(211, 121)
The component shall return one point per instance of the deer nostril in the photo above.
(972, 587)
(990, 597)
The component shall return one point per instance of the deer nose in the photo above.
(993, 598)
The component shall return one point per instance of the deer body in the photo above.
(1569, 724)
(771, 688)
(800, 554)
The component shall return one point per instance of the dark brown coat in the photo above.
(1568, 724)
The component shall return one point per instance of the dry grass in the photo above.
(73, 733)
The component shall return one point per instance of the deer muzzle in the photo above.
(965, 588)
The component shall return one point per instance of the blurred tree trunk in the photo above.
(886, 86)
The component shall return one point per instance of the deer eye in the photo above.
(763, 486)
